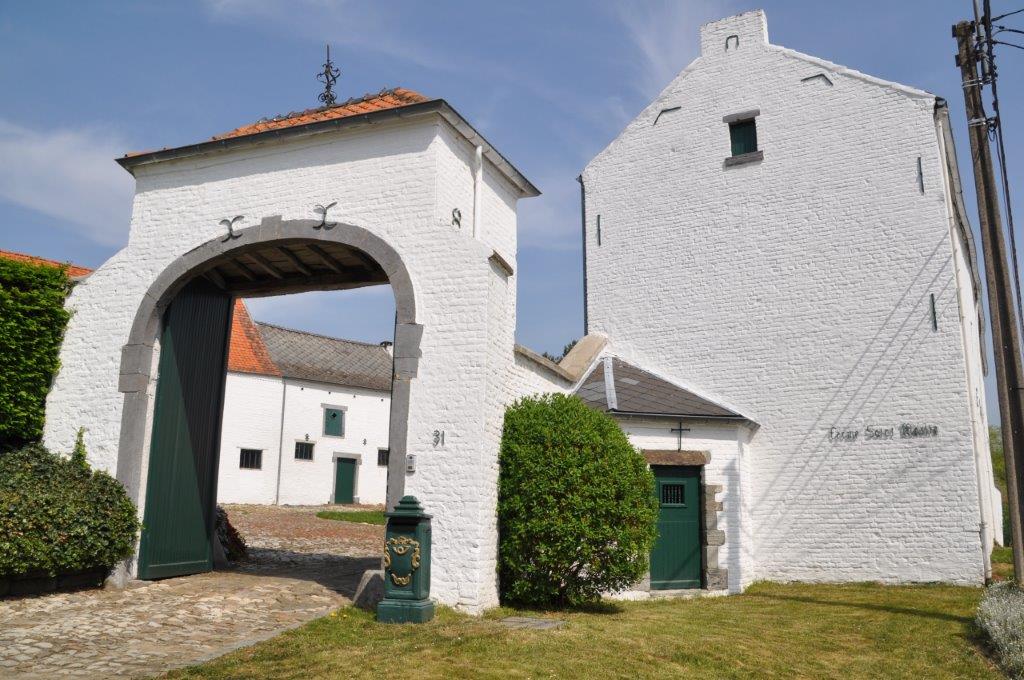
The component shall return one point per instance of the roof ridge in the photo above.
(393, 91)
(318, 335)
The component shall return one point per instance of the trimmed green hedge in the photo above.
(57, 516)
(576, 507)
(32, 322)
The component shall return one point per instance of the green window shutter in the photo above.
(743, 135)
(334, 422)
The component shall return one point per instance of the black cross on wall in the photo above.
(679, 434)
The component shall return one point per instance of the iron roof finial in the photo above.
(329, 76)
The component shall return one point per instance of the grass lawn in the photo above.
(360, 516)
(772, 630)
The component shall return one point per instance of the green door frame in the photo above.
(677, 558)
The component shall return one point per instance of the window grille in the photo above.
(303, 450)
(382, 457)
(673, 494)
(250, 459)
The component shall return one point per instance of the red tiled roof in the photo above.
(73, 269)
(247, 353)
(385, 99)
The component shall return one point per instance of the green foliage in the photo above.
(78, 456)
(576, 510)
(359, 516)
(32, 321)
(58, 516)
(565, 350)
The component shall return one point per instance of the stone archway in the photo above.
(377, 263)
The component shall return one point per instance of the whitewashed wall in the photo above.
(798, 289)
(385, 179)
(724, 442)
(253, 419)
(366, 429)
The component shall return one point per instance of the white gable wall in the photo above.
(798, 288)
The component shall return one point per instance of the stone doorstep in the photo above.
(531, 623)
(686, 594)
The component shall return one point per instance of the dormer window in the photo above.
(743, 137)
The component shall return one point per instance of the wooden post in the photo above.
(1005, 336)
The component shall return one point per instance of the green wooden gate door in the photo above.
(675, 560)
(181, 490)
(345, 480)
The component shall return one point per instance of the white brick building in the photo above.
(781, 301)
(788, 236)
(305, 418)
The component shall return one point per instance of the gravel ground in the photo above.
(300, 568)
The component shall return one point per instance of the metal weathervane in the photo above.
(329, 76)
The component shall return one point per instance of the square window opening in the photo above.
(743, 135)
(334, 422)
(382, 457)
(303, 450)
(250, 459)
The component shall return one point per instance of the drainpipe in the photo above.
(583, 231)
(280, 443)
(478, 173)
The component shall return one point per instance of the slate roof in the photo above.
(616, 386)
(308, 356)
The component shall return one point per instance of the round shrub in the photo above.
(58, 516)
(576, 510)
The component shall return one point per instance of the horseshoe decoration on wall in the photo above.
(230, 224)
(322, 210)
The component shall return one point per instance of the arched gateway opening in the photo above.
(176, 358)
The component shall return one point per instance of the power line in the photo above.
(997, 127)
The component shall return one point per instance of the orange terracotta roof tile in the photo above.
(247, 353)
(385, 99)
(74, 270)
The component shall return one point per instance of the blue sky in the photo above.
(549, 83)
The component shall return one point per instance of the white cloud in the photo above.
(665, 36)
(69, 175)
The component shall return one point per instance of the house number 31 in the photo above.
(438, 438)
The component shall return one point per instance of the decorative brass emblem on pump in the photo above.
(400, 545)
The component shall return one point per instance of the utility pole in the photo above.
(1005, 336)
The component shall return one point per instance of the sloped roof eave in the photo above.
(431, 106)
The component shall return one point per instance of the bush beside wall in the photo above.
(1001, 616)
(576, 511)
(32, 322)
(57, 516)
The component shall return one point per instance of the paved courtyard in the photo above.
(300, 568)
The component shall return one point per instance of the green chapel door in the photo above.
(181, 490)
(675, 560)
(345, 480)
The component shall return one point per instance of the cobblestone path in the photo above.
(301, 568)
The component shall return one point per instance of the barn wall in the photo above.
(797, 288)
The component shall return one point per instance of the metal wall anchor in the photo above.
(456, 218)
(322, 209)
(230, 224)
